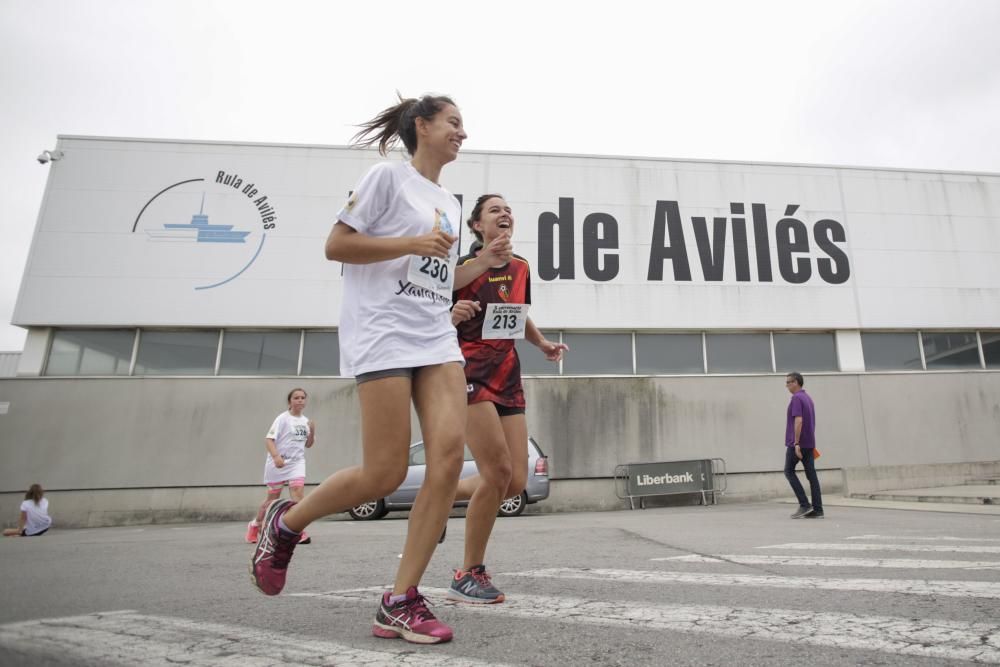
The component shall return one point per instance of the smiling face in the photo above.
(443, 134)
(494, 219)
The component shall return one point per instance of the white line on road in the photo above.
(931, 638)
(832, 561)
(965, 589)
(950, 548)
(130, 638)
(938, 538)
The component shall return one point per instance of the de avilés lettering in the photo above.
(672, 234)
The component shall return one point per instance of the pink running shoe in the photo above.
(304, 538)
(409, 619)
(269, 564)
(253, 532)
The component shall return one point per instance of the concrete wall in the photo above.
(872, 479)
(184, 442)
(8, 363)
(145, 432)
(122, 507)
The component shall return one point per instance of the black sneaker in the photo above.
(802, 511)
(443, 534)
(813, 514)
(474, 586)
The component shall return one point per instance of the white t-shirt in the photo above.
(289, 434)
(385, 320)
(38, 518)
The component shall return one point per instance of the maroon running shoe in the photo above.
(410, 619)
(269, 564)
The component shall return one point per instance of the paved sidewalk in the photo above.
(959, 499)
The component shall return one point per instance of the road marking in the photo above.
(939, 538)
(965, 589)
(128, 637)
(832, 561)
(931, 638)
(937, 548)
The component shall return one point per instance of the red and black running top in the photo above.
(492, 367)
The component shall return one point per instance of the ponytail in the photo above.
(35, 493)
(399, 122)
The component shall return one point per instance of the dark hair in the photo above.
(795, 375)
(35, 493)
(399, 121)
(477, 213)
(289, 399)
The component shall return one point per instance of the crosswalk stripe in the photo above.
(832, 561)
(854, 546)
(971, 589)
(932, 638)
(936, 538)
(127, 637)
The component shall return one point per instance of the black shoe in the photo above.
(801, 512)
(813, 514)
(443, 533)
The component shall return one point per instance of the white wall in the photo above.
(920, 247)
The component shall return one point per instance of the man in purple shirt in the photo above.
(800, 445)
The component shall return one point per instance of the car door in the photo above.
(407, 491)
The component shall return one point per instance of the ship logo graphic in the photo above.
(235, 250)
(198, 230)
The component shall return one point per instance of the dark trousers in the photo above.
(809, 463)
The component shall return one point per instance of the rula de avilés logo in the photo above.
(220, 222)
(804, 249)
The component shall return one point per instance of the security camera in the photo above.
(49, 156)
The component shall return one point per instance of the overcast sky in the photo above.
(908, 83)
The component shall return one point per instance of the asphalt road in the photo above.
(722, 585)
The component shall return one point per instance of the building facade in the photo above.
(175, 291)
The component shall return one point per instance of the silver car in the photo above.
(403, 497)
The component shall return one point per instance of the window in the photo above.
(418, 457)
(805, 352)
(321, 353)
(991, 348)
(668, 354)
(739, 353)
(93, 352)
(260, 353)
(533, 362)
(951, 349)
(598, 354)
(177, 352)
(890, 351)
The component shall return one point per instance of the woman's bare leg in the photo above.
(488, 444)
(439, 398)
(385, 436)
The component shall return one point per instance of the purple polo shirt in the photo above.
(801, 405)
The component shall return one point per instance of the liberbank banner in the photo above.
(167, 233)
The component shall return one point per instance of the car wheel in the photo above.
(513, 506)
(369, 511)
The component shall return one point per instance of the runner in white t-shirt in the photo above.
(34, 518)
(286, 441)
(396, 238)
